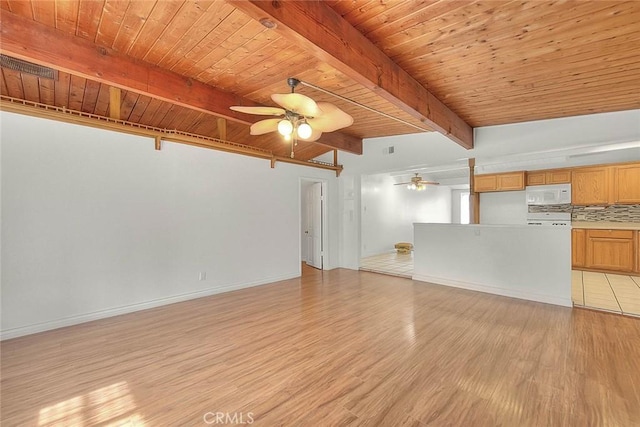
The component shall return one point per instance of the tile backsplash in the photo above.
(615, 213)
(550, 208)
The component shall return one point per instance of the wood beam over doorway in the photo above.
(474, 198)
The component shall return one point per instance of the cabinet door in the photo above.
(590, 186)
(609, 253)
(485, 183)
(626, 184)
(511, 181)
(637, 253)
(536, 178)
(559, 177)
(578, 247)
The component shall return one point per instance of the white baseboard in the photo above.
(507, 292)
(96, 315)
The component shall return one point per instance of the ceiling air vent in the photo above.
(28, 67)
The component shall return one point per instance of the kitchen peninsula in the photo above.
(532, 263)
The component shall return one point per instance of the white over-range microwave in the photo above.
(557, 194)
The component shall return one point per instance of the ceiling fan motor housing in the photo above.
(293, 82)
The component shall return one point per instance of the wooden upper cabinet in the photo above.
(560, 176)
(590, 186)
(536, 178)
(551, 176)
(626, 184)
(509, 181)
(484, 183)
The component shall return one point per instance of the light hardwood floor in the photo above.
(332, 348)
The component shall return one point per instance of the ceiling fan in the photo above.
(299, 118)
(417, 183)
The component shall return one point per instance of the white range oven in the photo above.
(549, 219)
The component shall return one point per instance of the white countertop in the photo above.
(602, 225)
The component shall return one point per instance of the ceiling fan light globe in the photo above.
(304, 131)
(285, 127)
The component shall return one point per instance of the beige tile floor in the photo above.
(393, 264)
(611, 292)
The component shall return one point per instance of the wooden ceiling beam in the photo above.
(341, 141)
(45, 45)
(35, 42)
(317, 28)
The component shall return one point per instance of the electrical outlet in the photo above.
(203, 275)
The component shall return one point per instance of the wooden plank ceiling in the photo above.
(490, 62)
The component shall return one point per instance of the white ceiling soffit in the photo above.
(574, 156)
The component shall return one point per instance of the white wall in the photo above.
(350, 232)
(553, 135)
(96, 223)
(570, 141)
(532, 263)
(389, 211)
(542, 140)
(503, 207)
(455, 205)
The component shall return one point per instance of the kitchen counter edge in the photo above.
(606, 225)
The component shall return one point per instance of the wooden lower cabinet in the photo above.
(637, 270)
(578, 247)
(612, 250)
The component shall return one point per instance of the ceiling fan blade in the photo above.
(332, 118)
(261, 111)
(429, 183)
(402, 183)
(264, 126)
(315, 135)
(297, 103)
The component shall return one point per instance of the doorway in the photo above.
(313, 229)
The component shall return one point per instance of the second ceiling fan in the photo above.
(300, 118)
(417, 183)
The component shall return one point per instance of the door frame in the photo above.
(325, 223)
